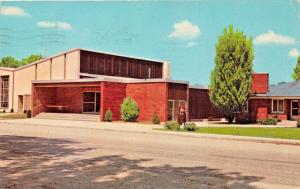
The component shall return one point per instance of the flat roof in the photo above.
(112, 79)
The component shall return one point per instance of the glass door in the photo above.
(294, 109)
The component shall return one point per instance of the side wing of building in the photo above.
(59, 67)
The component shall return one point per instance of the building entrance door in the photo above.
(294, 109)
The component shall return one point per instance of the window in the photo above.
(149, 72)
(4, 91)
(277, 106)
(91, 102)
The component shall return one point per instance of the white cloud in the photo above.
(185, 30)
(272, 37)
(294, 53)
(13, 11)
(63, 25)
(54, 25)
(191, 44)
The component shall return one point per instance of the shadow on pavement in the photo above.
(33, 162)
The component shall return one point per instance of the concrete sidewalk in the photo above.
(138, 128)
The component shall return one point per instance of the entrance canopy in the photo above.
(66, 97)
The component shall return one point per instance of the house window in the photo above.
(4, 91)
(277, 106)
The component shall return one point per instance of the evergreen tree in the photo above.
(231, 78)
(129, 110)
(296, 74)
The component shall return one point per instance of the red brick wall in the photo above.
(260, 83)
(73, 97)
(151, 97)
(112, 95)
(40, 97)
(259, 108)
(177, 91)
(200, 106)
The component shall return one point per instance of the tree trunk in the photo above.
(230, 119)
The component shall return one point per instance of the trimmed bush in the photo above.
(28, 113)
(25, 111)
(155, 119)
(129, 110)
(242, 118)
(269, 121)
(298, 123)
(172, 125)
(4, 110)
(190, 127)
(108, 115)
(12, 110)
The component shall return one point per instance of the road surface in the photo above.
(33, 156)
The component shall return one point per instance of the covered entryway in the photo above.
(66, 97)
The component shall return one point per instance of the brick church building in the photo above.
(90, 82)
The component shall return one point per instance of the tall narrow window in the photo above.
(4, 91)
(149, 72)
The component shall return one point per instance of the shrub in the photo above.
(298, 123)
(108, 115)
(129, 110)
(242, 118)
(12, 110)
(155, 119)
(4, 111)
(25, 111)
(190, 127)
(172, 125)
(28, 113)
(269, 121)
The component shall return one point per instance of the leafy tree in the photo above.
(231, 78)
(12, 62)
(129, 110)
(296, 74)
(31, 58)
(9, 61)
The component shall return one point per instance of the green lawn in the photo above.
(13, 116)
(282, 133)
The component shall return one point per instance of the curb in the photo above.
(163, 132)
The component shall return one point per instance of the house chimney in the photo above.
(260, 83)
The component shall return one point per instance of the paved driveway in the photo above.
(80, 156)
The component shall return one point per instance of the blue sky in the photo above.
(182, 33)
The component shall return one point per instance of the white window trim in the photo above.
(276, 112)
